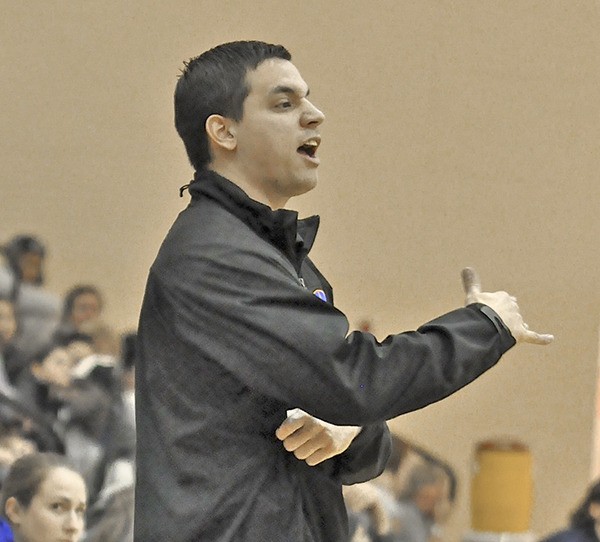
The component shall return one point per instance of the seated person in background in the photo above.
(13, 445)
(105, 340)
(38, 311)
(585, 520)
(128, 360)
(100, 434)
(45, 383)
(77, 408)
(8, 329)
(418, 503)
(404, 502)
(43, 499)
(110, 516)
(20, 420)
(83, 303)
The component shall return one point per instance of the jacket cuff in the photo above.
(367, 456)
(507, 339)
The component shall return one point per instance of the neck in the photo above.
(254, 190)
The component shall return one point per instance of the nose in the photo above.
(312, 116)
(73, 522)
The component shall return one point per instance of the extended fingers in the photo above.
(536, 338)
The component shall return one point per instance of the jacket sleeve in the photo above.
(366, 457)
(246, 308)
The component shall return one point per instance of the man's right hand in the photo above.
(505, 306)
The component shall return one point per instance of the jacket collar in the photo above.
(281, 227)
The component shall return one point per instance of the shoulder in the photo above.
(204, 223)
(207, 237)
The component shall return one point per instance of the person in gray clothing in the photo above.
(254, 403)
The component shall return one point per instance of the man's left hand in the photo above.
(313, 440)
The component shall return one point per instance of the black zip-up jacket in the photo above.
(238, 326)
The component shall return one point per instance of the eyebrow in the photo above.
(64, 498)
(282, 89)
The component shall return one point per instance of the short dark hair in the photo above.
(214, 83)
(19, 245)
(27, 474)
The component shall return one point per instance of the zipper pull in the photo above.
(302, 282)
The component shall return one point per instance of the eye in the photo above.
(284, 104)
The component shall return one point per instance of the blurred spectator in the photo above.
(38, 311)
(13, 445)
(43, 500)
(8, 329)
(71, 391)
(129, 358)
(104, 339)
(372, 505)
(43, 386)
(416, 514)
(585, 520)
(25, 259)
(110, 518)
(406, 502)
(77, 409)
(83, 303)
(368, 515)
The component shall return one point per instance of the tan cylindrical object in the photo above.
(502, 487)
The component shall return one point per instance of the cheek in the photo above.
(38, 525)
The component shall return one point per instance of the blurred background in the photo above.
(458, 132)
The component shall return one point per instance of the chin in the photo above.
(305, 185)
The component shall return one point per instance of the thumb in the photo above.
(471, 283)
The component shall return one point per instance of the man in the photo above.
(239, 338)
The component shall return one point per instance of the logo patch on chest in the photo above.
(320, 294)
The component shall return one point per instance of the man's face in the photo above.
(278, 136)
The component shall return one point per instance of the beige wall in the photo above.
(460, 132)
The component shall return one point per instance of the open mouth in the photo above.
(309, 148)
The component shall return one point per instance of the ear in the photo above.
(221, 132)
(13, 510)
